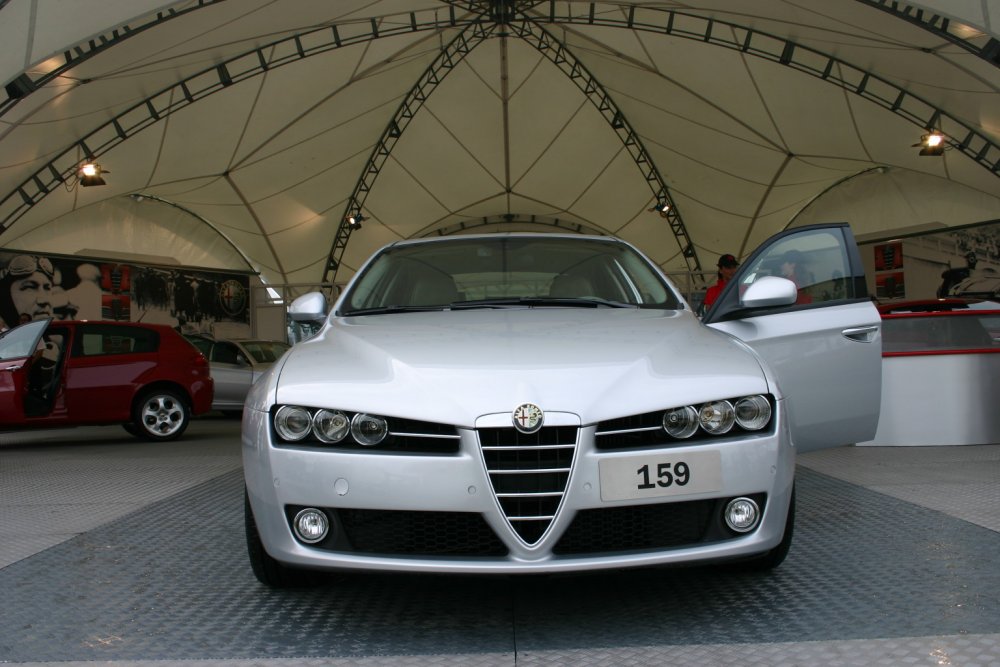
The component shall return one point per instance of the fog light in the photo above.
(742, 514)
(311, 525)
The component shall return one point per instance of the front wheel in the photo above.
(776, 556)
(160, 415)
(267, 570)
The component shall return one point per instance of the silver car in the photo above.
(518, 403)
(235, 365)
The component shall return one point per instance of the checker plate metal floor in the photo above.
(171, 582)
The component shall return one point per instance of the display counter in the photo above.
(940, 377)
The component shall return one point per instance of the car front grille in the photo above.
(415, 533)
(529, 473)
(637, 528)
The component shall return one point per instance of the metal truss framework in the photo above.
(941, 26)
(572, 227)
(786, 52)
(560, 56)
(26, 83)
(451, 55)
(61, 170)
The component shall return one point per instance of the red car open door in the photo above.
(17, 346)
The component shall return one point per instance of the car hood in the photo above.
(457, 365)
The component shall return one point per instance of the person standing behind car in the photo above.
(793, 268)
(727, 268)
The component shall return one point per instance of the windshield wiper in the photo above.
(541, 301)
(389, 310)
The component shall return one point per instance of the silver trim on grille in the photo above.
(529, 480)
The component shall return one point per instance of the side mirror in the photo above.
(309, 307)
(770, 291)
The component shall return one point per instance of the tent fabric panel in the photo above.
(573, 161)
(124, 226)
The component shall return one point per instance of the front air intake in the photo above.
(529, 473)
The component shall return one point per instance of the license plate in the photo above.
(655, 476)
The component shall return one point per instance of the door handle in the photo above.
(861, 334)
(13, 368)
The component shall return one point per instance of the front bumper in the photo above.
(453, 494)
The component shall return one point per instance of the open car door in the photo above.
(17, 346)
(823, 340)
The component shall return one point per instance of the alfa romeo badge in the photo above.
(527, 418)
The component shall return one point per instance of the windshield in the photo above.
(265, 351)
(506, 271)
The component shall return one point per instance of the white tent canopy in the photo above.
(241, 134)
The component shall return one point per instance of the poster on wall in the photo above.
(972, 268)
(890, 285)
(889, 256)
(36, 286)
(955, 262)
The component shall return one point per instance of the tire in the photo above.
(131, 429)
(267, 570)
(160, 415)
(776, 556)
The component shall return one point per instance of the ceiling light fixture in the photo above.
(354, 221)
(90, 173)
(932, 143)
(662, 208)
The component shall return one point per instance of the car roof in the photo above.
(502, 235)
(114, 323)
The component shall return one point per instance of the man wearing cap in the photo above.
(727, 267)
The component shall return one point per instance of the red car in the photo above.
(147, 377)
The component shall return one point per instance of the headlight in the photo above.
(717, 418)
(292, 422)
(753, 412)
(681, 422)
(741, 415)
(368, 430)
(331, 425)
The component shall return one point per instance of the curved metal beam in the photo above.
(24, 84)
(561, 57)
(513, 218)
(141, 196)
(451, 55)
(62, 168)
(940, 26)
(830, 188)
(502, 13)
(787, 52)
